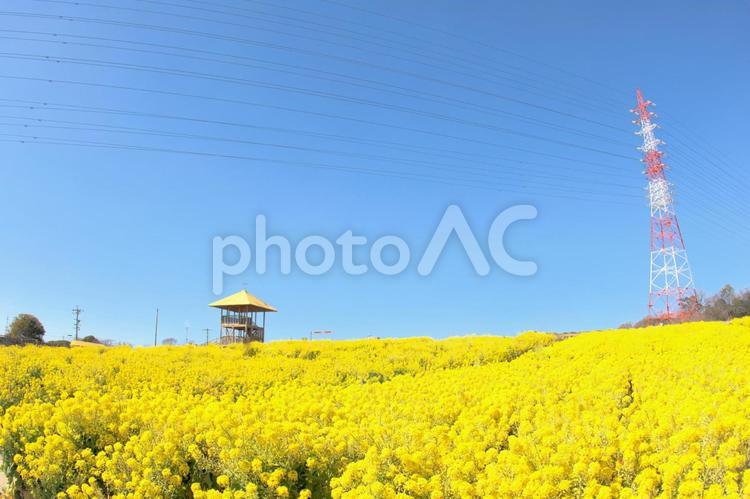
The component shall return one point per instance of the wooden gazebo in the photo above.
(243, 318)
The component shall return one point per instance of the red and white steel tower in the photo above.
(672, 294)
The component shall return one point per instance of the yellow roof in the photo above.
(243, 301)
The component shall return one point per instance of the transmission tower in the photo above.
(672, 294)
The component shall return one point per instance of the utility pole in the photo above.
(7, 324)
(187, 334)
(156, 327)
(77, 321)
(206, 331)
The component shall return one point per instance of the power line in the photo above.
(280, 108)
(224, 13)
(399, 47)
(61, 42)
(297, 50)
(380, 173)
(708, 158)
(394, 51)
(5, 99)
(552, 125)
(438, 180)
(431, 150)
(299, 90)
(396, 160)
(412, 23)
(695, 139)
(34, 139)
(481, 172)
(738, 201)
(399, 90)
(554, 186)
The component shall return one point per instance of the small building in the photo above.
(243, 318)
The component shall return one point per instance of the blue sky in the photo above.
(477, 103)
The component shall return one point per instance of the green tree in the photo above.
(27, 329)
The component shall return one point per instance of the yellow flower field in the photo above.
(662, 411)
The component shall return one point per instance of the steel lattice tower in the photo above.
(672, 294)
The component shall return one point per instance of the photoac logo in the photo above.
(452, 222)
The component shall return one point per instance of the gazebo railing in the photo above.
(242, 326)
(253, 333)
(237, 320)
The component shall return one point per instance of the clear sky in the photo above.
(328, 116)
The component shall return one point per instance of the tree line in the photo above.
(725, 305)
(27, 329)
